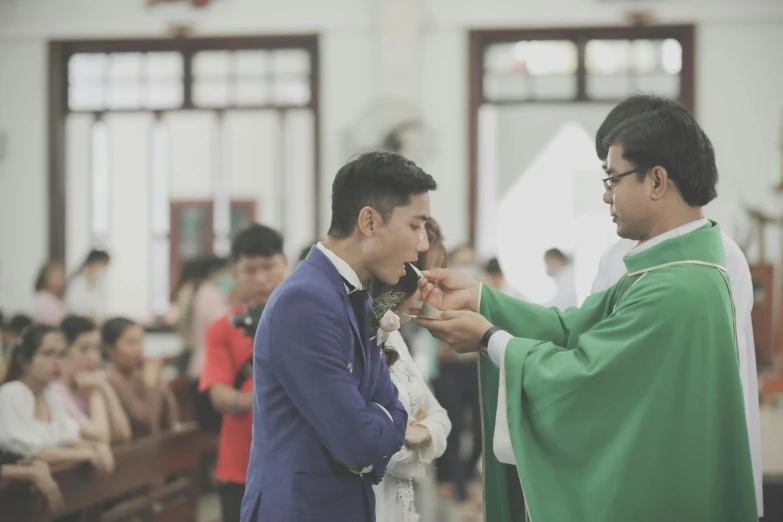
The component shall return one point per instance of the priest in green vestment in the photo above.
(630, 408)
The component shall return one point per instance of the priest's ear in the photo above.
(658, 182)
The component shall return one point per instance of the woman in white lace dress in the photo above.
(428, 423)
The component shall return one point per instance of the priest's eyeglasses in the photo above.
(611, 181)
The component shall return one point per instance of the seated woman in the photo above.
(85, 390)
(33, 420)
(428, 423)
(148, 402)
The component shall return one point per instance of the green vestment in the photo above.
(628, 409)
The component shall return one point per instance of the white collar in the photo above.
(343, 268)
(679, 231)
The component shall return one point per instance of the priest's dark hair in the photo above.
(380, 180)
(256, 241)
(671, 138)
(626, 109)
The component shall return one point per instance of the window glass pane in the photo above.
(240, 218)
(671, 56)
(164, 95)
(212, 63)
(554, 87)
(251, 92)
(506, 87)
(124, 66)
(545, 57)
(85, 97)
(609, 86)
(252, 63)
(500, 58)
(194, 228)
(645, 55)
(87, 66)
(664, 85)
(211, 93)
(291, 61)
(607, 56)
(124, 96)
(164, 65)
(292, 92)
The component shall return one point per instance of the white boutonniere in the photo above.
(390, 322)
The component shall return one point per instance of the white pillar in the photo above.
(399, 49)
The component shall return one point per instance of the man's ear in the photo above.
(368, 221)
(659, 179)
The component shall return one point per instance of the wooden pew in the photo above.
(142, 467)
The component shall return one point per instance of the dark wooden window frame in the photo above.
(479, 40)
(61, 51)
(208, 206)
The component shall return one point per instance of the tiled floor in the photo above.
(431, 509)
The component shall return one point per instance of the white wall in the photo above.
(738, 83)
(23, 185)
(739, 101)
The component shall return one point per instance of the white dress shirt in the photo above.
(21, 432)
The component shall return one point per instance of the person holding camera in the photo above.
(228, 367)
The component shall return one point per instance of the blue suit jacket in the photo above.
(315, 382)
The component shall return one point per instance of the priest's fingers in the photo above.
(441, 328)
(435, 326)
(436, 275)
(431, 294)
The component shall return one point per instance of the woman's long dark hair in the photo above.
(27, 345)
(75, 325)
(93, 256)
(113, 329)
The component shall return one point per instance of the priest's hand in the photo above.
(461, 329)
(447, 289)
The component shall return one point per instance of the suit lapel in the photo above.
(317, 258)
(355, 327)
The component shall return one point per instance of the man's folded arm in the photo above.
(309, 355)
(387, 396)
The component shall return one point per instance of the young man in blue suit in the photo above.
(326, 417)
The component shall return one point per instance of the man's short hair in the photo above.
(626, 109)
(671, 138)
(256, 240)
(380, 180)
